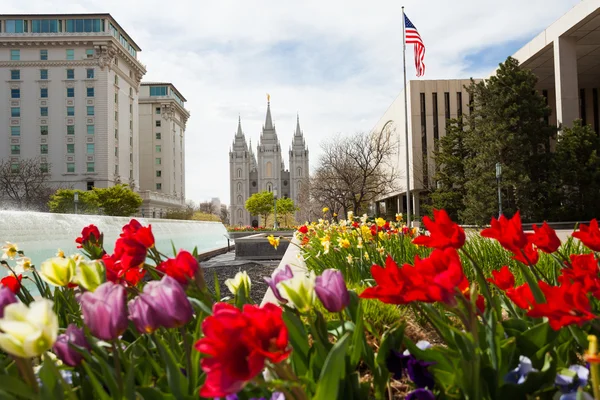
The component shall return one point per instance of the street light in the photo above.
(275, 201)
(498, 178)
(76, 199)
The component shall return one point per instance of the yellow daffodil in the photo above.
(399, 217)
(58, 271)
(344, 243)
(273, 241)
(359, 245)
(9, 250)
(381, 250)
(28, 331)
(350, 216)
(350, 258)
(334, 215)
(366, 256)
(60, 253)
(23, 265)
(240, 281)
(325, 209)
(364, 218)
(325, 245)
(380, 222)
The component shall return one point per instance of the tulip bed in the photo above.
(138, 324)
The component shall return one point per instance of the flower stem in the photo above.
(26, 370)
(188, 354)
(117, 365)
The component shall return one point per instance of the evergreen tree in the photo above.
(508, 125)
(578, 169)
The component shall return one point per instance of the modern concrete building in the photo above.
(162, 117)
(249, 175)
(70, 89)
(430, 104)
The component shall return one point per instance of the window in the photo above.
(158, 91)
(43, 74)
(116, 98)
(15, 93)
(159, 186)
(70, 129)
(130, 92)
(130, 157)
(89, 73)
(90, 185)
(157, 161)
(90, 110)
(44, 130)
(595, 108)
(15, 74)
(582, 108)
(90, 92)
(269, 187)
(131, 108)
(436, 129)
(239, 173)
(70, 92)
(239, 186)
(70, 111)
(299, 172)
(15, 55)
(84, 25)
(157, 110)
(45, 26)
(70, 54)
(91, 167)
(240, 200)
(15, 149)
(70, 148)
(269, 169)
(70, 74)
(116, 115)
(158, 137)
(15, 112)
(89, 53)
(116, 151)
(90, 148)
(43, 149)
(43, 93)
(70, 167)
(158, 149)
(424, 137)
(44, 168)
(90, 129)
(158, 173)
(15, 131)
(43, 55)
(131, 125)
(157, 123)
(14, 25)
(116, 79)
(447, 105)
(14, 168)
(459, 112)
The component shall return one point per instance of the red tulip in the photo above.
(12, 282)
(503, 278)
(443, 232)
(270, 331)
(90, 234)
(521, 296)
(584, 270)
(528, 255)
(303, 229)
(589, 235)
(545, 238)
(130, 252)
(181, 268)
(117, 273)
(509, 232)
(142, 234)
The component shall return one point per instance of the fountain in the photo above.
(39, 235)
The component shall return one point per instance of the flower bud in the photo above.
(58, 271)
(331, 290)
(105, 311)
(299, 291)
(240, 281)
(63, 349)
(143, 314)
(28, 332)
(6, 297)
(90, 274)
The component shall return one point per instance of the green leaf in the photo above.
(149, 393)
(177, 382)
(358, 338)
(16, 387)
(536, 338)
(217, 286)
(299, 341)
(333, 371)
(98, 389)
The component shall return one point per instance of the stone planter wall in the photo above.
(257, 247)
(237, 235)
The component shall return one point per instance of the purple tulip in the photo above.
(64, 351)
(332, 291)
(6, 297)
(162, 303)
(420, 394)
(105, 311)
(281, 275)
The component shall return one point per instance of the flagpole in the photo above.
(408, 200)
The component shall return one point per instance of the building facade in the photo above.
(163, 118)
(264, 171)
(70, 98)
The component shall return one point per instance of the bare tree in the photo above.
(24, 184)
(208, 207)
(224, 214)
(353, 171)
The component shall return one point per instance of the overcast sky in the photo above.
(338, 63)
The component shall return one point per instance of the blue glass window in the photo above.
(14, 26)
(43, 92)
(70, 74)
(15, 93)
(70, 92)
(70, 54)
(15, 112)
(90, 73)
(15, 131)
(43, 54)
(70, 111)
(44, 111)
(90, 92)
(44, 26)
(15, 55)
(90, 129)
(15, 74)
(90, 110)
(43, 74)
(158, 90)
(85, 25)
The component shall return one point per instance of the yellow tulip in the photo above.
(28, 332)
(58, 271)
(90, 274)
(299, 291)
(273, 241)
(380, 222)
(241, 279)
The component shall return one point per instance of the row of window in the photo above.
(16, 130)
(16, 93)
(53, 25)
(15, 74)
(14, 168)
(15, 112)
(15, 54)
(15, 149)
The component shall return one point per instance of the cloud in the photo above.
(338, 63)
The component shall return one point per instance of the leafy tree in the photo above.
(450, 156)
(285, 208)
(508, 125)
(63, 201)
(119, 200)
(578, 169)
(260, 204)
(24, 184)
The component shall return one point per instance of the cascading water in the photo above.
(40, 235)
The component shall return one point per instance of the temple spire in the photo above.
(239, 129)
(298, 131)
(268, 121)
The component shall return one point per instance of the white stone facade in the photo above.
(265, 171)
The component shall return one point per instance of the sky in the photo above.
(337, 63)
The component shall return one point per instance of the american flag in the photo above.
(413, 37)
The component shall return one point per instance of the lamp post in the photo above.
(76, 200)
(498, 178)
(275, 201)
